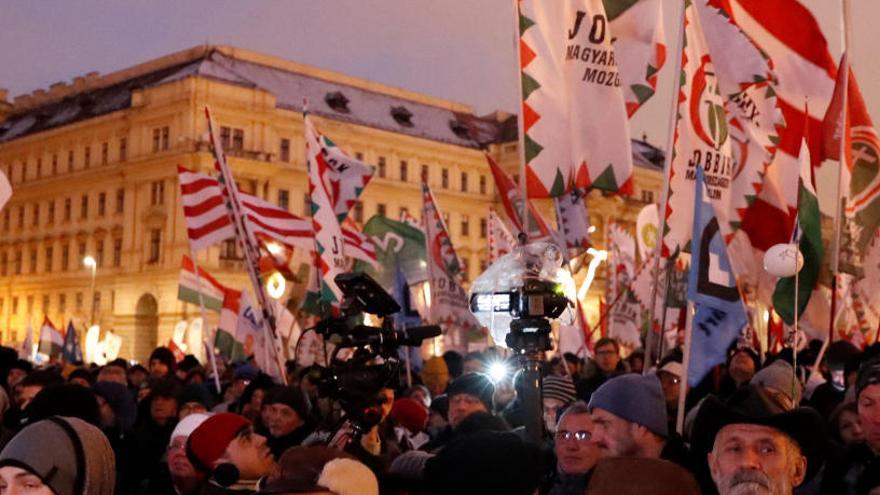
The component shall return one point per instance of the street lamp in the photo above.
(90, 262)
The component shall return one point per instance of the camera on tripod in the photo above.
(373, 365)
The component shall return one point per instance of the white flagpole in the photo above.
(209, 348)
(664, 198)
(521, 142)
(244, 235)
(686, 362)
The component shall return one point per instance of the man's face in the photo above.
(163, 408)
(281, 419)
(463, 405)
(15, 480)
(25, 395)
(386, 401)
(551, 408)
(113, 374)
(613, 435)
(671, 386)
(575, 451)
(607, 358)
(249, 453)
(178, 463)
(755, 460)
(869, 416)
(137, 377)
(742, 367)
(14, 377)
(158, 368)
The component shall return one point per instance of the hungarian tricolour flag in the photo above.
(575, 124)
(51, 341)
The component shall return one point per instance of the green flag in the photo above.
(397, 244)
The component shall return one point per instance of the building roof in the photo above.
(329, 95)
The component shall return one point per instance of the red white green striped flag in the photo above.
(576, 132)
(190, 286)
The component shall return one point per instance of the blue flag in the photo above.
(712, 288)
(71, 351)
(406, 317)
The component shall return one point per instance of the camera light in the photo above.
(486, 303)
(498, 370)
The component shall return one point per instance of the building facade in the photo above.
(93, 166)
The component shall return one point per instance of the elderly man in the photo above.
(576, 454)
(753, 445)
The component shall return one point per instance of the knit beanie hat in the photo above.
(558, 387)
(410, 414)
(780, 376)
(869, 374)
(120, 401)
(208, 441)
(195, 392)
(64, 400)
(80, 460)
(290, 396)
(187, 425)
(477, 384)
(635, 398)
(164, 355)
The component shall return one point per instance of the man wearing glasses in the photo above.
(576, 454)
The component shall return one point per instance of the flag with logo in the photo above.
(624, 313)
(51, 341)
(449, 304)
(398, 245)
(639, 49)
(720, 314)
(573, 221)
(809, 234)
(71, 351)
(501, 241)
(575, 125)
(536, 227)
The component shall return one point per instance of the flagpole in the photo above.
(209, 348)
(686, 362)
(664, 198)
(520, 123)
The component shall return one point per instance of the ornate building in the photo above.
(93, 169)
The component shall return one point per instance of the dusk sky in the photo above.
(462, 50)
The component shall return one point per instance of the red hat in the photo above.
(207, 443)
(410, 413)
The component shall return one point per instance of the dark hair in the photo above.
(454, 363)
(42, 378)
(606, 341)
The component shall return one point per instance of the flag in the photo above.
(27, 347)
(646, 230)
(511, 198)
(207, 220)
(810, 245)
(501, 241)
(574, 116)
(357, 245)
(71, 351)
(398, 245)
(573, 222)
(329, 254)
(345, 177)
(720, 314)
(637, 30)
(224, 340)
(51, 341)
(623, 318)
(190, 286)
(449, 306)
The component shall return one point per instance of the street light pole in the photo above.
(90, 262)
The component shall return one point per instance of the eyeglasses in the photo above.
(580, 436)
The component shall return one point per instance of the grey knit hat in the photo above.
(780, 376)
(635, 398)
(69, 455)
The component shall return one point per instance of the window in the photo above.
(465, 225)
(33, 261)
(49, 258)
(229, 250)
(225, 134)
(65, 257)
(166, 137)
(284, 199)
(381, 167)
(15, 305)
(404, 170)
(157, 137)
(155, 245)
(79, 301)
(70, 161)
(6, 215)
(484, 228)
(424, 174)
(123, 149)
(359, 212)
(62, 303)
(45, 304)
(50, 212)
(105, 153)
(54, 163)
(21, 217)
(647, 196)
(120, 200)
(82, 251)
(380, 209)
(39, 168)
(96, 303)
(87, 157)
(99, 253)
(238, 139)
(160, 139)
(36, 218)
(359, 156)
(483, 184)
(444, 178)
(102, 203)
(284, 151)
(4, 262)
(30, 305)
(464, 182)
(84, 206)
(67, 208)
(157, 193)
(117, 252)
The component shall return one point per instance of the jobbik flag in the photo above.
(573, 221)
(720, 314)
(624, 315)
(575, 125)
(449, 304)
(501, 241)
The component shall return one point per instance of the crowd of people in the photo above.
(777, 425)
